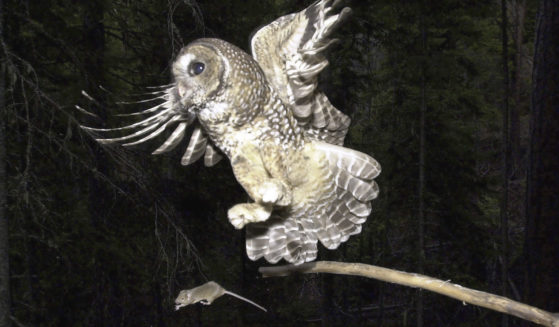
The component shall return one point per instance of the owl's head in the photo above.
(214, 81)
(219, 82)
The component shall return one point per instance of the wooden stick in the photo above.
(466, 295)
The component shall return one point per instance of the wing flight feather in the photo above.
(290, 52)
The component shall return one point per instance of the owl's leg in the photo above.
(275, 191)
(261, 184)
(244, 213)
(266, 191)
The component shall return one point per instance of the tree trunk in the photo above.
(94, 34)
(4, 245)
(107, 312)
(5, 299)
(542, 211)
(327, 308)
(519, 13)
(421, 186)
(506, 158)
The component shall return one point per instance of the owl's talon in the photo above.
(244, 213)
(236, 219)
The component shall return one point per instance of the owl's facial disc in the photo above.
(198, 72)
(194, 69)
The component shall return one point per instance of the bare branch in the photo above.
(466, 295)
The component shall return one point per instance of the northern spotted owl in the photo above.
(281, 134)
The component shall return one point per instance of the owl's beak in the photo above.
(182, 90)
(184, 95)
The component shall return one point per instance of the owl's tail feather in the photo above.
(280, 238)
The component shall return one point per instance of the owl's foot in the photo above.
(275, 192)
(244, 213)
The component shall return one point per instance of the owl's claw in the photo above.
(275, 192)
(244, 213)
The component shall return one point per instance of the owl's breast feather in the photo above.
(308, 174)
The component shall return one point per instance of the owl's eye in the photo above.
(197, 68)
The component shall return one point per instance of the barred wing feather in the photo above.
(290, 52)
(162, 116)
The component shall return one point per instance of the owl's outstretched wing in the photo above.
(164, 115)
(290, 52)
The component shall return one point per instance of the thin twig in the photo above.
(466, 295)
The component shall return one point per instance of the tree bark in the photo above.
(4, 244)
(506, 158)
(455, 291)
(108, 312)
(421, 186)
(94, 36)
(5, 299)
(519, 14)
(542, 207)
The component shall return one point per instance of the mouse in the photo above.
(206, 294)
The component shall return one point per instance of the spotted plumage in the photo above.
(281, 134)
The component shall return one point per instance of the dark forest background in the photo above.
(441, 93)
